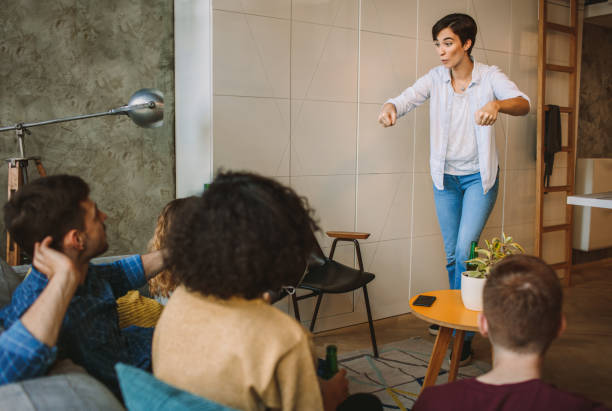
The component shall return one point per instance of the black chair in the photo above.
(325, 275)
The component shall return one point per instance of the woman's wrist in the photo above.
(389, 106)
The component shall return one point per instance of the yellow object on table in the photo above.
(450, 314)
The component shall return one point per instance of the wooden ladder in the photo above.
(543, 67)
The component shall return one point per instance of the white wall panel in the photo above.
(298, 85)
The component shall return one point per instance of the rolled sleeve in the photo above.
(413, 96)
(504, 88)
(22, 356)
(123, 275)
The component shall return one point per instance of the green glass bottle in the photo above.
(331, 360)
(472, 267)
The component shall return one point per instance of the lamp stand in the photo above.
(17, 178)
(145, 108)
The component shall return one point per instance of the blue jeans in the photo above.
(462, 211)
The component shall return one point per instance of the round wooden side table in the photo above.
(450, 314)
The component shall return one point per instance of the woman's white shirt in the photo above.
(488, 84)
(462, 150)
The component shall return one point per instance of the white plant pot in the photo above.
(471, 292)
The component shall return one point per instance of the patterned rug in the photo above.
(397, 375)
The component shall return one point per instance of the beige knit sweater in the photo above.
(241, 353)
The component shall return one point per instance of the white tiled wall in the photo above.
(297, 89)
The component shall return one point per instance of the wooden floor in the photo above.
(579, 361)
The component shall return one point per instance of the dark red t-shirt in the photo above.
(471, 394)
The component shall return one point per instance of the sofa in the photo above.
(68, 386)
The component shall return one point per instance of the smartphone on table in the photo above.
(424, 300)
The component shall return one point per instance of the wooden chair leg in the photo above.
(316, 312)
(296, 309)
(370, 323)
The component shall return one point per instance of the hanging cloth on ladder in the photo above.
(552, 140)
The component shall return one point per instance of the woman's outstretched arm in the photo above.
(487, 114)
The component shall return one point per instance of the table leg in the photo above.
(457, 347)
(437, 356)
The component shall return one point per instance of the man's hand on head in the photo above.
(53, 263)
(44, 317)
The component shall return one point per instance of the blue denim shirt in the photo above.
(90, 334)
(488, 84)
(21, 355)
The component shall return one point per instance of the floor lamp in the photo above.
(145, 108)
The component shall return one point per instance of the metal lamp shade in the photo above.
(148, 117)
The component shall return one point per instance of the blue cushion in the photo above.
(143, 392)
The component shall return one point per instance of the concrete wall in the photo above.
(67, 57)
(594, 131)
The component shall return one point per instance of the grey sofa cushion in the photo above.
(75, 391)
(9, 280)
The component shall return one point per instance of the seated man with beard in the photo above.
(59, 207)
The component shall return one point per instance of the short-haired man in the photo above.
(521, 317)
(59, 207)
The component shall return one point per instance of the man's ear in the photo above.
(562, 326)
(73, 240)
(483, 325)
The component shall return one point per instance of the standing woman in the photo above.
(466, 97)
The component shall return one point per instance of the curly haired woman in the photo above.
(219, 337)
(162, 286)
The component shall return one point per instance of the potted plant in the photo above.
(473, 280)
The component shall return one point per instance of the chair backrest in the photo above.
(317, 256)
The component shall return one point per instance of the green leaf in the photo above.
(518, 247)
(475, 274)
(484, 253)
(494, 251)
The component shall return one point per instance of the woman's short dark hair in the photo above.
(48, 206)
(462, 25)
(245, 235)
